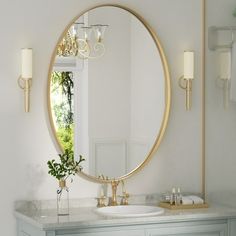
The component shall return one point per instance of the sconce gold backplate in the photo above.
(186, 84)
(25, 84)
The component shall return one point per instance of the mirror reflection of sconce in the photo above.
(223, 80)
(25, 79)
(185, 81)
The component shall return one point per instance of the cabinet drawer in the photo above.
(198, 230)
(23, 233)
(111, 233)
(25, 229)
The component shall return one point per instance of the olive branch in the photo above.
(66, 167)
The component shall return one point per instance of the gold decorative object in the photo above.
(185, 81)
(179, 207)
(83, 45)
(167, 92)
(25, 79)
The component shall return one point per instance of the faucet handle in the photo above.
(124, 199)
(101, 201)
(125, 196)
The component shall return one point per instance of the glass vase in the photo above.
(62, 199)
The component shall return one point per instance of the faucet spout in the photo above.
(114, 184)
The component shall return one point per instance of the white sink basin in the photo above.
(130, 211)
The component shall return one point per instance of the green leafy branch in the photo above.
(66, 167)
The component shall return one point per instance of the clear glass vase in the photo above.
(62, 199)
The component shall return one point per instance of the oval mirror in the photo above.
(109, 92)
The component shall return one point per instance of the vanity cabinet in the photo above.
(213, 221)
(218, 228)
(197, 228)
(27, 229)
(112, 233)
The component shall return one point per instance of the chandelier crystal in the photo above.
(85, 42)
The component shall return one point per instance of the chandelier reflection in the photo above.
(85, 42)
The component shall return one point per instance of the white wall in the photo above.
(26, 144)
(220, 123)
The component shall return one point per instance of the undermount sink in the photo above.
(130, 211)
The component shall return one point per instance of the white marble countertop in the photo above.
(85, 217)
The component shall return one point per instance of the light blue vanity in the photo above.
(83, 221)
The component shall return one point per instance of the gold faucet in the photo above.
(114, 184)
(125, 195)
(101, 201)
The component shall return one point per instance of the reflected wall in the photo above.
(220, 121)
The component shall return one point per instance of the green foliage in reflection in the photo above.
(62, 91)
(66, 137)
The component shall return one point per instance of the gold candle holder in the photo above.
(186, 84)
(25, 84)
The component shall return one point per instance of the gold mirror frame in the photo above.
(167, 93)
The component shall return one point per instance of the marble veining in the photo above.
(85, 217)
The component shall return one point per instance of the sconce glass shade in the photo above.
(77, 29)
(188, 65)
(99, 31)
(225, 65)
(25, 79)
(87, 32)
(26, 63)
(74, 30)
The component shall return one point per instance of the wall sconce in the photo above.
(223, 80)
(25, 79)
(185, 81)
